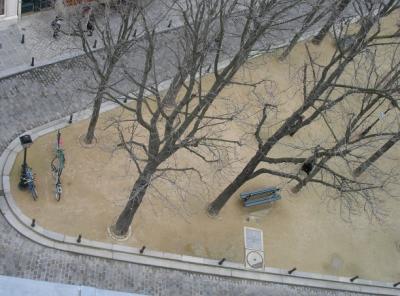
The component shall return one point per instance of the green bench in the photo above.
(261, 196)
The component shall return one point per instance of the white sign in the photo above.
(253, 239)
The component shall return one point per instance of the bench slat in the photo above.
(248, 203)
(244, 195)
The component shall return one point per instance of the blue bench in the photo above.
(259, 197)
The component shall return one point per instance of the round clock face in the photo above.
(254, 259)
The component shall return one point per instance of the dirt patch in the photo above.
(303, 230)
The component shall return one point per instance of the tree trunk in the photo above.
(97, 104)
(292, 43)
(298, 187)
(310, 175)
(94, 118)
(374, 157)
(342, 4)
(214, 207)
(121, 227)
(139, 189)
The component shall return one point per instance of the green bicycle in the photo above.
(57, 166)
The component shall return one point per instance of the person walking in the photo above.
(56, 26)
(59, 8)
(87, 20)
(90, 26)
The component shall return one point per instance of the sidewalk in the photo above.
(16, 57)
(11, 286)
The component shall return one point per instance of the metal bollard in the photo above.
(142, 249)
(70, 118)
(292, 270)
(79, 238)
(33, 223)
(221, 261)
(33, 62)
(23, 39)
(354, 278)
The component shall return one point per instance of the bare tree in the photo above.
(326, 88)
(116, 29)
(183, 118)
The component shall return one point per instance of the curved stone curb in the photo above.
(59, 241)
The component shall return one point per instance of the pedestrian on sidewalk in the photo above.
(90, 27)
(59, 8)
(88, 20)
(56, 26)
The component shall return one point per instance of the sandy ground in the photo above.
(305, 230)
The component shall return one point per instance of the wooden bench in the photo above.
(259, 197)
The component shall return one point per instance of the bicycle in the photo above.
(29, 179)
(57, 166)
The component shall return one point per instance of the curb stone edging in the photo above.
(180, 262)
(63, 242)
(159, 259)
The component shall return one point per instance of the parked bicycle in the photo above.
(57, 166)
(29, 180)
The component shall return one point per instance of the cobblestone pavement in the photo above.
(38, 41)
(44, 94)
(35, 97)
(21, 257)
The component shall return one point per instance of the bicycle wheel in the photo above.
(55, 165)
(34, 193)
(58, 191)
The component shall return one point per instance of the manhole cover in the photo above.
(255, 259)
